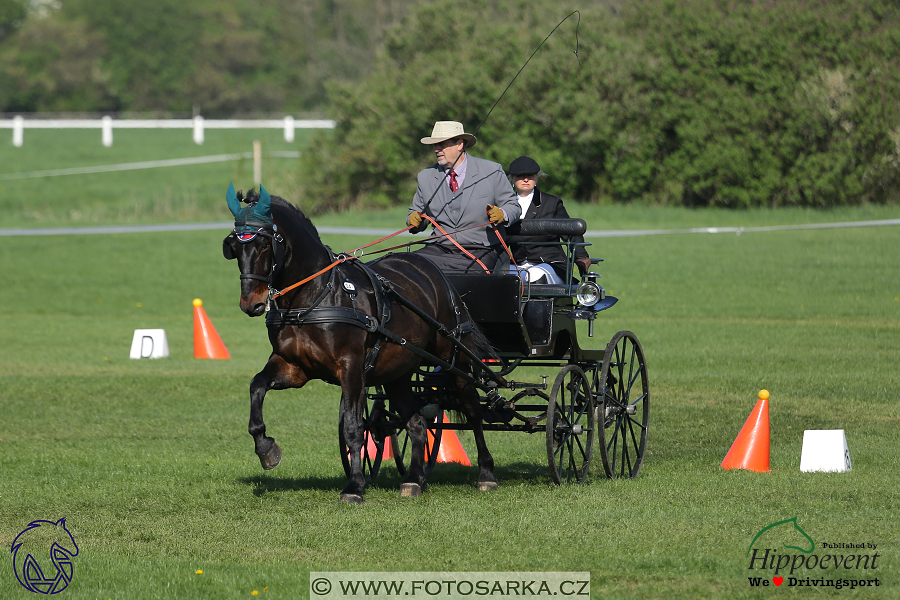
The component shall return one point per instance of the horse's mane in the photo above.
(291, 217)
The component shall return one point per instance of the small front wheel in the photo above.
(570, 426)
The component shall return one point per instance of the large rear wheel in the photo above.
(623, 406)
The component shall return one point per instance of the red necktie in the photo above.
(454, 185)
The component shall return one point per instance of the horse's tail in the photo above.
(481, 345)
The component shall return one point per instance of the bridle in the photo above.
(247, 231)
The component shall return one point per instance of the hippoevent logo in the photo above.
(42, 556)
(794, 561)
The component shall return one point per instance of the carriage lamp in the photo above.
(588, 292)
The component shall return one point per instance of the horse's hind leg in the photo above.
(471, 408)
(273, 376)
(403, 402)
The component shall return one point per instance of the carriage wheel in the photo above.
(402, 447)
(624, 405)
(375, 423)
(570, 426)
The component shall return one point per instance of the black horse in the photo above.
(352, 325)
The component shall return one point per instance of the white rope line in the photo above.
(740, 230)
(362, 231)
(149, 164)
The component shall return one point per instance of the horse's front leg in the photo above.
(276, 375)
(353, 428)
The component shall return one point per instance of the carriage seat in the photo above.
(532, 231)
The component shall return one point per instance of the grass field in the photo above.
(151, 465)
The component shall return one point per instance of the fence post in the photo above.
(198, 130)
(289, 129)
(18, 131)
(257, 162)
(106, 127)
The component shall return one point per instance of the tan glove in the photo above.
(584, 264)
(415, 218)
(495, 214)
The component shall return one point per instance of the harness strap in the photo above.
(511, 259)
(455, 243)
(340, 259)
(345, 314)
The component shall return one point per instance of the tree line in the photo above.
(685, 102)
(219, 57)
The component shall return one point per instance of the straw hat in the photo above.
(445, 130)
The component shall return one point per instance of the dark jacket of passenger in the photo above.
(545, 206)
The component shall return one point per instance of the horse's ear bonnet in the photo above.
(258, 213)
(251, 220)
(248, 220)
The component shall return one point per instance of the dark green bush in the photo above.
(692, 102)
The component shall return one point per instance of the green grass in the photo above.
(151, 465)
(182, 193)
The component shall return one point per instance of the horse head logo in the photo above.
(41, 544)
(784, 533)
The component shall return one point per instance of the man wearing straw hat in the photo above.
(466, 195)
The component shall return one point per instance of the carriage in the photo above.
(597, 395)
(384, 332)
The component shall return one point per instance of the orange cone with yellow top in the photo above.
(207, 343)
(750, 449)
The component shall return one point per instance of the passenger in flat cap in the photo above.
(538, 263)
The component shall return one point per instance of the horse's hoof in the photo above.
(410, 490)
(351, 499)
(487, 486)
(270, 459)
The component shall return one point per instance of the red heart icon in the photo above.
(778, 580)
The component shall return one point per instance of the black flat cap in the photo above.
(524, 166)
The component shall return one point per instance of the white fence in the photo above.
(198, 124)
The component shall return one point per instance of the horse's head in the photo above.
(256, 245)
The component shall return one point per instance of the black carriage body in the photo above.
(524, 322)
(597, 392)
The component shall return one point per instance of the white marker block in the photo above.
(825, 450)
(149, 343)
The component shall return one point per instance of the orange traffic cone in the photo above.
(451, 450)
(388, 450)
(371, 449)
(750, 449)
(207, 343)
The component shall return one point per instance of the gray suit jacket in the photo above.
(485, 184)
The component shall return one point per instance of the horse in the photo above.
(353, 325)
